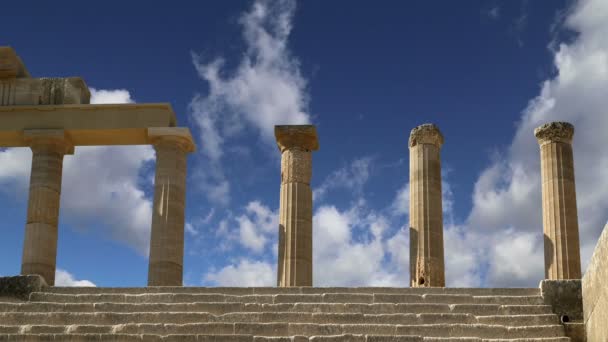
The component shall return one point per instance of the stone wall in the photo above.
(595, 292)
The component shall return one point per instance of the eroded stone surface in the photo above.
(595, 292)
(560, 218)
(295, 212)
(426, 214)
(21, 286)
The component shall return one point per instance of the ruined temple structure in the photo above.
(52, 116)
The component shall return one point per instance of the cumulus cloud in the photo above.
(65, 278)
(266, 89)
(351, 177)
(507, 195)
(101, 184)
(244, 273)
(101, 96)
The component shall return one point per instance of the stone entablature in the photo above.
(52, 116)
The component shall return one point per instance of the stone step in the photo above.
(365, 298)
(297, 290)
(292, 329)
(112, 318)
(250, 338)
(223, 308)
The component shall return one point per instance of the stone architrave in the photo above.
(296, 143)
(560, 219)
(172, 144)
(40, 243)
(426, 216)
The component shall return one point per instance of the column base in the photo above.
(165, 273)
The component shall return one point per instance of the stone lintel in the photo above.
(296, 136)
(11, 65)
(181, 136)
(86, 125)
(557, 131)
(426, 134)
(53, 139)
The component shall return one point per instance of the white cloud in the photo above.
(65, 278)
(266, 89)
(245, 273)
(351, 177)
(256, 226)
(507, 196)
(105, 96)
(100, 184)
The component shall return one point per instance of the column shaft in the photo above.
(560, 218)
(426, 216)
(40, 243)
(168, 216)
(295, 219)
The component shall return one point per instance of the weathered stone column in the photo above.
(168, 211)
(40, 243)
(560, 219)
(296, 144)
(426, 215)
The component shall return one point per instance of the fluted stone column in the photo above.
(296, 144)
(560, 219)
(168, 212)
(40, 243)
(426, 215)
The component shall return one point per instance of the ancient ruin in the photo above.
(426, 210)
(296, 144)
(560, 220)
(52, 116)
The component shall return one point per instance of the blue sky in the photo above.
(486, 72)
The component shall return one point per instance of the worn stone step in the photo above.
(249, 338)
(364, 298)
(306, 329)
(112, 318)
(222, 308)
(297, 290)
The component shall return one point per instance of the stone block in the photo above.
(565, 298)
(21, 287)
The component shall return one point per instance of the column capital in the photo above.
(556, 131)
(11, 65)
(296, 136)
(426, 134)
(179, 136)
(52, 140)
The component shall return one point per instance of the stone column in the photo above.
(296, 144)
(168, 211)
(426, 215)
(560, 219)
(40, 243)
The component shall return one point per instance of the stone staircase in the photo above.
(280, 314)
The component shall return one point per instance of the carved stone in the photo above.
(168, 211)
(560, 218)
(11, 65)
(557, 131)
(426, 134)
(40, 243)
(295, 217)
(426, 216)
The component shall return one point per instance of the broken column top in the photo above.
(27, 91)
(11, 65)
(556, 131)
(427, 133)
(302, 136)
